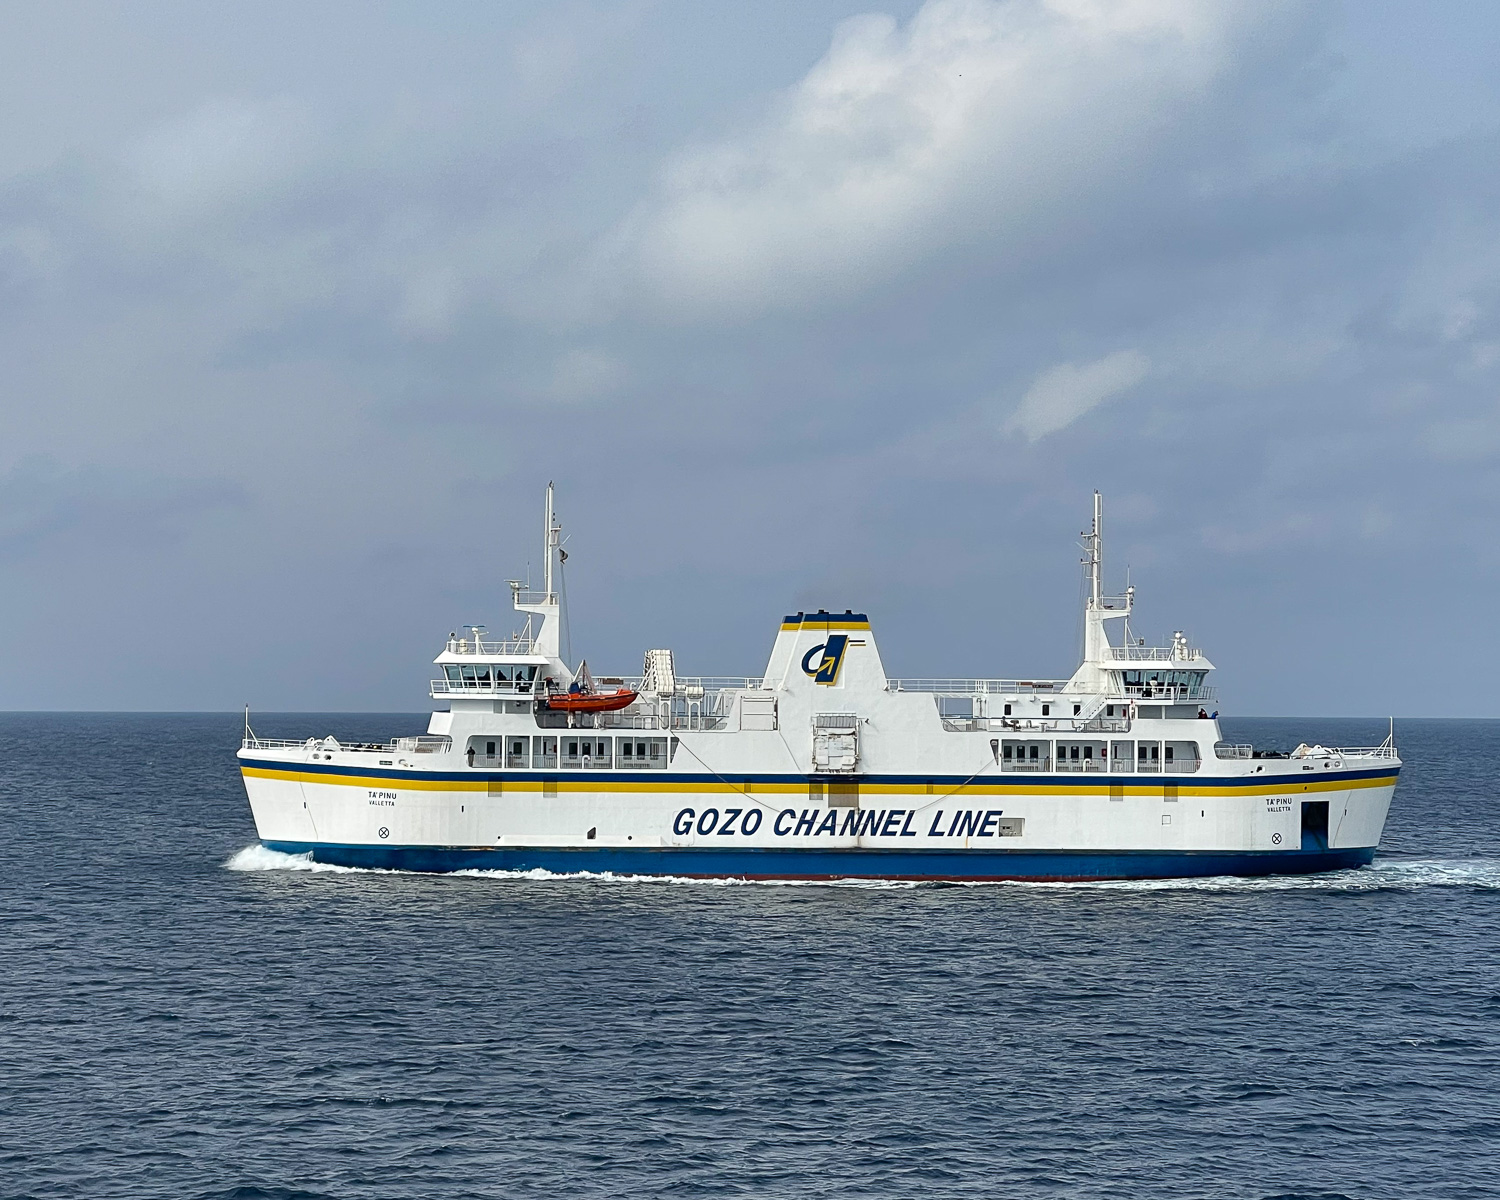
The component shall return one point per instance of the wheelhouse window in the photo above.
(490, 676)
(1162, 684)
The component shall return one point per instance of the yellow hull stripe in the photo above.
(508, 786)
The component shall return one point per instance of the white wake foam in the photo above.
(723, 881)
(1399, 874)
(260, 858)
(1396, 873)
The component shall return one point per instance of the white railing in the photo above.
(698, 704)
(1049, 687)
(700, 683)
(1384, 750)
(628, 719)
(962, 724)
(1153, 654)
(976, 687)
(425, 744)
(441, 687)
(480, 646)
(1170, 691)
(251, 742)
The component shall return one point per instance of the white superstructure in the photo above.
(823, 767)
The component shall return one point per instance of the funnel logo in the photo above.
(823, 662)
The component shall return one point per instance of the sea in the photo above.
(185, 1014)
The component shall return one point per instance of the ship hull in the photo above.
(1005, 827)
(961, 866)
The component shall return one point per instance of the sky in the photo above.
(801, 305)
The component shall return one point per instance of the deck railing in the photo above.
(484, 646)
(961, 724)
(488, 687)
(252, 742)
(1179, 692)
(424, 744)
(1152, 654)
(976, 687)
(1167, 692)
(1384, 750)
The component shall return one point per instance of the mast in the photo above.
(1096, 552)
(550, 544)
(546, 604)
(1099, 608)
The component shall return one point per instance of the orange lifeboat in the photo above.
(592, 701)
(588, 699)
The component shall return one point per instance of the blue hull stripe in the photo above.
(1038, 865)
(1070, 781)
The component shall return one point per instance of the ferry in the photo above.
(822, 768)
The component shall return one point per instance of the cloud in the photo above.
(976, 118)
(275, 327)
(585, 373)
(1065, 392)
(227, 152)
(49, 510)
(1469, 440)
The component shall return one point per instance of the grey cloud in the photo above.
(317, 339)
(47, 510)
(974, 120)
(1064, 393)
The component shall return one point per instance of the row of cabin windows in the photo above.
(483, 675)
(1110, 710)
(1047, 710)
(570, 751)
(1117, 757)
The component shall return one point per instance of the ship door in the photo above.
(835, 742)
(1315, 824)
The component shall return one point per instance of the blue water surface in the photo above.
(183, 1016)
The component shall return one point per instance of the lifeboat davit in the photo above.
(589, 702)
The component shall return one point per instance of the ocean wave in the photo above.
(1482, 873)
(261, 858)
(700, 881)
(1400, 874)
